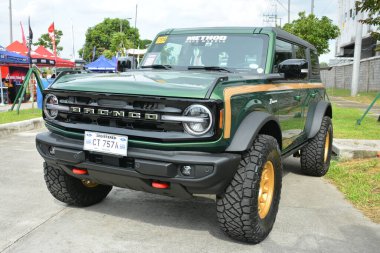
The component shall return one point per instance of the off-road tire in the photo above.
(237, 207)
(313, 161)
(71, 190)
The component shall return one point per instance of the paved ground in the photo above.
(342, 102)
(313, 216)
(28, 105)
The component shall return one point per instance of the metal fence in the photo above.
(340, 76)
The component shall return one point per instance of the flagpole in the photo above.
(1, 88)
(30, 40)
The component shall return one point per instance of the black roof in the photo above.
(290, 37)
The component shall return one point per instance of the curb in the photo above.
(20, 126)
(354, 149)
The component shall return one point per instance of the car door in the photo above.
(290, 97)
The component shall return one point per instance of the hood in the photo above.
(184, 84)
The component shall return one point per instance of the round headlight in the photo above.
(49, 101)
(204, 115)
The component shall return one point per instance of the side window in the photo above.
(314, 65)
(299, 52)
(290, 59)
(283, 52)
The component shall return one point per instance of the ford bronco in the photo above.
(208, 111)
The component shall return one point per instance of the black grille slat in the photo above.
(149, 129)
(126, 106)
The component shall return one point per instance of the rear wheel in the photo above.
(71, 190)
(316, 155)
(248, 208)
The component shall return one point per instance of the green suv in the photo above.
(208, 111)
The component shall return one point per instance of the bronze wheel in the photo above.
(327, 147)
(266, 189)
(89, 183)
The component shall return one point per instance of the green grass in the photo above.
(359, 181)
(8, 117)
(362, 97)
(344, 122)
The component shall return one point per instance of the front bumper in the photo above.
(211, 172)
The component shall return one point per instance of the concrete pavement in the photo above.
(27, 105)
(313, 216)
(342, 102)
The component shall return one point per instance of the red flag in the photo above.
(52, 37)
(23, 35)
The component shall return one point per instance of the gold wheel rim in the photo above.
(266, 189)
(327, 147)
(89, 183)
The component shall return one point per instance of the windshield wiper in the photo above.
(157, 66)
(212, 68)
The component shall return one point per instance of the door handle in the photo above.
(297, 98)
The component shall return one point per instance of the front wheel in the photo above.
(248, 208)
(71, 190)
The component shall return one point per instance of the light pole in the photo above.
(312, 6)
(10, 21)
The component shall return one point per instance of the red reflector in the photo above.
(160, 185)
(79, 171)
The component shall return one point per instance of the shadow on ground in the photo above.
(198, 213)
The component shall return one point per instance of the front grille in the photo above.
(135, 116)
(129, 113)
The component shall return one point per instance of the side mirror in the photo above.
(124, 65)
(294, 68)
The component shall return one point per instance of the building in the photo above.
(345, 43)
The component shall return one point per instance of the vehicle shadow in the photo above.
(198, 213)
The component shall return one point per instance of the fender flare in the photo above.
(315, 115)
(248, 130)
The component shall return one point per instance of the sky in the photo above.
(152, 16)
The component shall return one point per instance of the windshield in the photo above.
(223, 51)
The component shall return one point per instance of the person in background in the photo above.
(11, 91)
(52, 78)
(5, 91)
(45, 84)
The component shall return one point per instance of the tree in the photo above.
(109, 35)
(45, 41)
(316, 31)
(119, 42)
(145, 44)
(372, 7)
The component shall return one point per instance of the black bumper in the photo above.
(211, 172)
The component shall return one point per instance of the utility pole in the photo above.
(10, 21)
(72, 33)
(357, 55)
(136, 17)
(288, 11)
(275, 14)
(312, 6)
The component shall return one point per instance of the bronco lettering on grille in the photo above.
(114, 113)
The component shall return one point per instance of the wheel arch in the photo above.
(315, 115)
(252, 125)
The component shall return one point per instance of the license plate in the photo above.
(106, 143)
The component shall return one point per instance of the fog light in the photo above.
(186, 170)
(52, 150)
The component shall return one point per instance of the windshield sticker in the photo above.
(161, 39)
(206, 39)
(150, 58)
